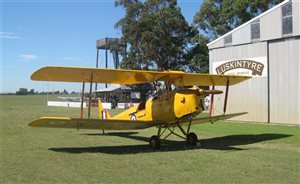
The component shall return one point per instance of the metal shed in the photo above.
(266, 47)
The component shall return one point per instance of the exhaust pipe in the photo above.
(212, 91)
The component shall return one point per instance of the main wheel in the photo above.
(191, 139)
(154, 142)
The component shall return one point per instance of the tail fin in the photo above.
(103, 114)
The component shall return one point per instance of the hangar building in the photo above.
(266, 47)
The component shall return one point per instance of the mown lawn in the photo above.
(230, 152)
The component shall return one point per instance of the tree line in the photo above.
(159, 37)
(25, 91)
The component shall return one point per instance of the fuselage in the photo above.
(168, 106)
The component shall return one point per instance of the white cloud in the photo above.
(8, 35)
(28, 57)
(71, 59)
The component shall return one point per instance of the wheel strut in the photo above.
(191, 138)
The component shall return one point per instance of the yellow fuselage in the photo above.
(167, 107)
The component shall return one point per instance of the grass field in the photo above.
(231, 152)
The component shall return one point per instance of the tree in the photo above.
(157, 33)
(65, 92)
(217, 17)
(73, 93)
(198, 55)
(55, 92)
(22, 91)
(31, 92)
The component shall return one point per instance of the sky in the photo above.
(37, 33)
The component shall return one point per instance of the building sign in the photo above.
(248, 66)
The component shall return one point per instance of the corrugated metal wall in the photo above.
(284, 81)
(270, 25)
(250, 96)
(296, 17)
(282, 52)
(242, 36)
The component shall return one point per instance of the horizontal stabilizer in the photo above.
(100, 124)
(216, 118)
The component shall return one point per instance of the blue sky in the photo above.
(40, 33)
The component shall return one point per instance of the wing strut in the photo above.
(90, 96)
(211, 102)
(82, 98)
(226, 96)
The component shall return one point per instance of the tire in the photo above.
(191, 139)
(154, 142)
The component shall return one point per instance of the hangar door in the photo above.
(284, 68)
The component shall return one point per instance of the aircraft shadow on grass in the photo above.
(217, 143)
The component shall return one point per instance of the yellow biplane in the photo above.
(173, 106)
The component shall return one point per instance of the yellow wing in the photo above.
(100, 124)
(118, 76)
(214, 118)
(113, 124)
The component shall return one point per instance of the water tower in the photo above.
(115, 46)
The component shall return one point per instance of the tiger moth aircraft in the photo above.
(171, 108)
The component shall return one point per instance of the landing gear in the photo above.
(154, 142)
(191, 139)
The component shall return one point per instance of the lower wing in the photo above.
(114, 124)
(100, 124)
(215, 118)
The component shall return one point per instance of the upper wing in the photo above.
(100, 124)
(119, 76)
(190, 79)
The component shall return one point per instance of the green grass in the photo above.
(231, 152)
